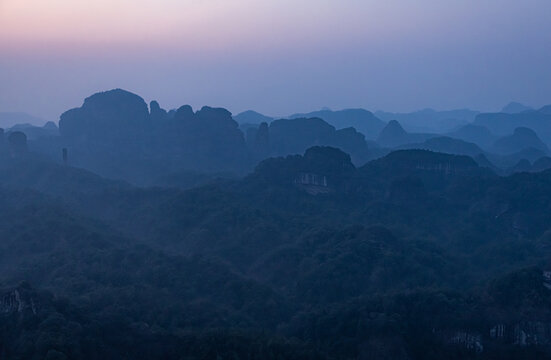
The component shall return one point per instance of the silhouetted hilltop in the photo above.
(252, 117)
(522, 138)
(114, 114)
(515, 107)
(35, 132)
(394, 135)
(156, 113)
(9, 119)
(362, 120)
(429, 120)
(115, 135)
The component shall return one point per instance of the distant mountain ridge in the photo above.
(504, 124)
(394, 135)
(429, 120)
(362, 120)
(515, 107)
(252, 117)
(9, 119)
(522, 138)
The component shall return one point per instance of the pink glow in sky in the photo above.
(276, 56)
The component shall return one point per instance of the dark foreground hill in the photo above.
(417, 255)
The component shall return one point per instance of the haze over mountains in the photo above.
(132, 231)
(116, 134)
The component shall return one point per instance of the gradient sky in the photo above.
(276, 56)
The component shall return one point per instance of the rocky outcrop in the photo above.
(360, 119)
(20, 300)
(468, 340)
(156, 113)
(110, 114)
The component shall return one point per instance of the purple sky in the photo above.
(276, 56)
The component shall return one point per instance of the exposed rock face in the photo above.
(527, 333)
(532, 333)
(321, 169)
(470, 341)
(311, 179)
(18, 300)
(313, 183)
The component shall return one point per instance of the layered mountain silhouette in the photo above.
(9, 119)
(429, 120)
(294, 136)
(394, 135)
(444, 144)
(521, 139)
(252, 117)
(362, 120)
(504, 124)
(515, 107)
(477, 134)
(117, 135)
